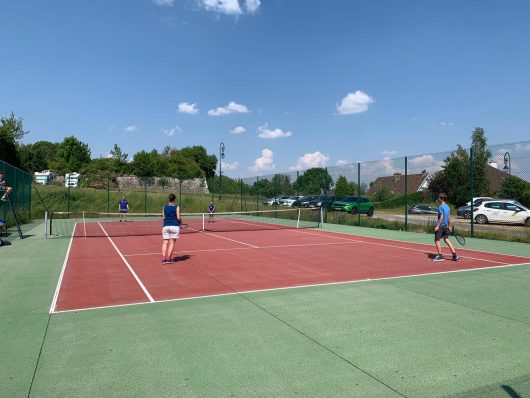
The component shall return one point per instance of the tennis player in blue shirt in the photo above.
(123, 208)
(441, 229)
(171, 229)
(211, 210)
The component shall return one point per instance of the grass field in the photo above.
(460, 334)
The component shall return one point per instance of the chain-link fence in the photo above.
(400, 193)
(20, 196)
(392, 193)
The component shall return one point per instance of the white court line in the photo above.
(128, 266)
(295, 287)
(401, 241)
(233, 240)
(60, 281)
(246, 248)
(343, 239)
(411, 248)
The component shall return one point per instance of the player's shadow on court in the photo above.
(179, 259)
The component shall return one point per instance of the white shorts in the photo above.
(170, 232)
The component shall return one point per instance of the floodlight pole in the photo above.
(508, 166)
(221, 157)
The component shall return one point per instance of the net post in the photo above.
(298, 220)
(45, 224)
(84, 224)
(321, 217)
(203, 226)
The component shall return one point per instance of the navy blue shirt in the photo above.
(211, 208)
(123, 204)
(170, 216)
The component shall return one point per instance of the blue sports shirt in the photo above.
(444, 209)
(170, 216)
(123, 204)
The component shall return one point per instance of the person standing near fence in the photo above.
(123, 208)
(211, 211)
(4, 188)
(171, 229)
(441, 229)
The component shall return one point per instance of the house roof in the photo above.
(419, 182)
(396, 183)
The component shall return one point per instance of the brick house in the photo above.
(396, 183)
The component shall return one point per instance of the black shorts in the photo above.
(442, 233)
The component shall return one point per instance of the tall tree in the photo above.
(71, 156)
(454, 178)
(11, 132)
(342, 187)
(314, 181)
(207, 163)
(37, 156)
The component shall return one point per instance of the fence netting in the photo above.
(401, 191)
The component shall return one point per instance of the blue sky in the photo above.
(284, 84)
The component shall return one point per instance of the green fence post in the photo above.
(241, 194)
(145, 195)
(471, 176)
(358, 190)
(108, 195)
(406, 193)
(180, 192)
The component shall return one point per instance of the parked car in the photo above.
(280, 200)
(323, 201)
(465, 211)
(478, 200)
(422, 209)
(271, 202)
(289, 201)
(303, 201)
(354, 205)
(503, 211)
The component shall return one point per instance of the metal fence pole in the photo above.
(406, 193)
(358, 190)
(471, 177)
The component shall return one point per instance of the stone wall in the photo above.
(195, 185)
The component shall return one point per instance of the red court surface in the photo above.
(113, 271)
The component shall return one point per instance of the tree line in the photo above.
(72, 155)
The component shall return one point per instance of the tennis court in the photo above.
(250, 310)
(111, 263)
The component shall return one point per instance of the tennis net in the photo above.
(93, 224)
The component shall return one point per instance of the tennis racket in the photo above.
(459, 238)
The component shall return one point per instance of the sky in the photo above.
(284, 84)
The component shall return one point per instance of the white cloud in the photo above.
(252, 5)
(387, 152)
(230, 7)
(447, 124)
(172, 131)
(342, 163)
(238, 130)
(354, 103)
(229, 166)
(190, 109)
(265, 162)
(425, 162)
(168, 3)
(232, 107)
(309, 160)
(266, 133)
(132, 128)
